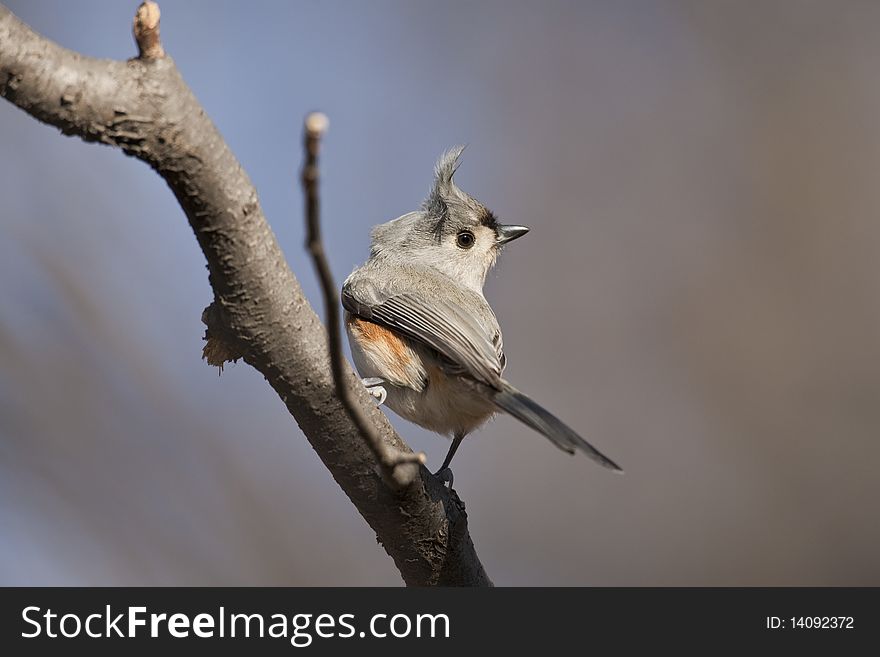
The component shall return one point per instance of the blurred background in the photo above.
(699, 295)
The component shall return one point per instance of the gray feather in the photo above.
(461, 339)
(528, 411)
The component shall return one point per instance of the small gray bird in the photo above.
(421, 332)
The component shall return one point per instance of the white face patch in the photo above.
(470, 265)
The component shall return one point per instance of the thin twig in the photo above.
(390, 460)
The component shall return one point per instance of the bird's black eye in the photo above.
(465, 239)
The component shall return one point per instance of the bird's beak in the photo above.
(509, 233)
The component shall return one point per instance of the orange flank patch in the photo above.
(383, 344)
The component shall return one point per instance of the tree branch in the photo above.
(146, 31)
(144, 107)
(397, 467)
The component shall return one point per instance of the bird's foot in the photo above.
(374, 386)
(445, 475)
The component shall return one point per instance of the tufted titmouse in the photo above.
(421, 332)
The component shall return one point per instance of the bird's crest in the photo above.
(444, 189)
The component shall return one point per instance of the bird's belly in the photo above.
(418, 389)
(446, 405)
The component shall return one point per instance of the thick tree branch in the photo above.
(144, 107)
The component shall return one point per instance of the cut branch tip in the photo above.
(146, 31)
(317, 124)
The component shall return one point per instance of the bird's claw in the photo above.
(375, 388)
(379, 393)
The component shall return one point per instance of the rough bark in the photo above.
(144, 107)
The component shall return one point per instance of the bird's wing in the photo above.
(464, 342)
(498, 341)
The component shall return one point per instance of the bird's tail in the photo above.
(528, 411)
